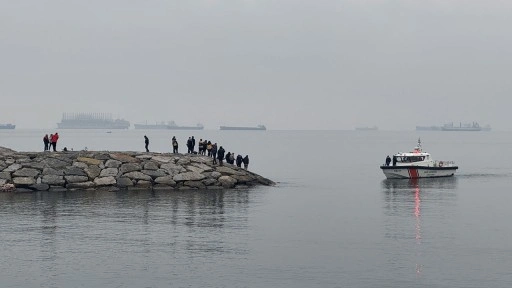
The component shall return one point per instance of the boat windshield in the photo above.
(409, 159)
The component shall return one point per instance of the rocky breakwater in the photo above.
(26, 171)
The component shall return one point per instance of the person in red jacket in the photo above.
(53, 140)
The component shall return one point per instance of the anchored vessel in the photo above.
(91, 121)
(417, 164)
(465, 127)
(169, 125)
(259, 127)
(7, 126)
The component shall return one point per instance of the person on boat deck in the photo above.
(388, 160)
(394, 160)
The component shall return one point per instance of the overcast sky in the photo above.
(288, 64)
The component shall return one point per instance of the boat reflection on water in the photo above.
(404, 200)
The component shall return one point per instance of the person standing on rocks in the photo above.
(193, 144)
(214, 153)
(228, 157)
(220, 155)
(189, 145)
(146, 141)
(209, 148)
(239, 160)
(53, 140)
(174, 145)
(46, 142)
(246, 162)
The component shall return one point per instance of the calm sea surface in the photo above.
(332, 220)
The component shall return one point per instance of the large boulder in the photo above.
(129, 167)
(125, 158)
(155, 173)
(105, 181)
(13, 167)
(227, 181)
(80, 165)
(188, 176)
(137, 176)
(109, 172)
(89, 161)
(165, 180)
(54, 163)
(151, 165)
(113, 163)
(162, 159)
(26, 172)
(23, 181)
(81, 185)
(5, 175)
(228, 171)
(75, 171)
(53, 180)
(124, 182)
(76, 179)
(92, 171)
(172, 168)
(51, 171)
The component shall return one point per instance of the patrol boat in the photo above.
(417, 164)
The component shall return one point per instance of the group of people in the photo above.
(50, 142)
(206, 147)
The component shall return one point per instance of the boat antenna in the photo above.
(418, 147)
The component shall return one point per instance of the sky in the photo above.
(287, 64)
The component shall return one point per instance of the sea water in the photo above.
(332, 220)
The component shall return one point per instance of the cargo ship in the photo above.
(91, 121)
(259, 127)
(168, 126)
(7, 126)
(465, 127)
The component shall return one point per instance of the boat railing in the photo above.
(442, 163)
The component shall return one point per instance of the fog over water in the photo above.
(287, 64)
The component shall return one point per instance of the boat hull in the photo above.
(413, 172)
(7, 126)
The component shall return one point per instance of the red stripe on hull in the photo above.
(413, 173)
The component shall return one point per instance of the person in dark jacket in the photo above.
(388, 160)
(193, 144)
(246, 161)
(174, 145)
(46, 142)
(146, 141)
(228, 158)
(189, 145)
(239, 160)
(220, 155)
(214, 153)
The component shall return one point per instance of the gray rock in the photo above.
(35, 165)
(123, 157)
(243, 178)
(228, 171)
(209, 181)
(215, 175)
(75, 171)
(144, 156)
(89, 161)
(162, 159)
(104, 181)
(81, 185)
(195, 184)
(92, 171)
(53, 180)
(188, 176)
(76, 179)
(54, 163)
(166, 180)
(10, 161)
(202, 166)
(23, 181)
(113, 163)
(227, 181)
(2, 182)
(124, 182)
(40, 187)
(137, 176)
(109, 172)
(155, 173)
(5, 175)
(26, 172)
(51, 171)
(151, 165)
(80, 165)
(12, 167)
(129, 167)
(172, 168)
(183, 161)
(195, 169)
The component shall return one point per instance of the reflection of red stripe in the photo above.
(413, 173)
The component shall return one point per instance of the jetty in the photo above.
(113, 171)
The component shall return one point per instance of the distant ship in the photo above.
(7, 126)
(168, 126)
(428, 128)
(91, 121)
(259, 127)
(374, 128)
(465, 127)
